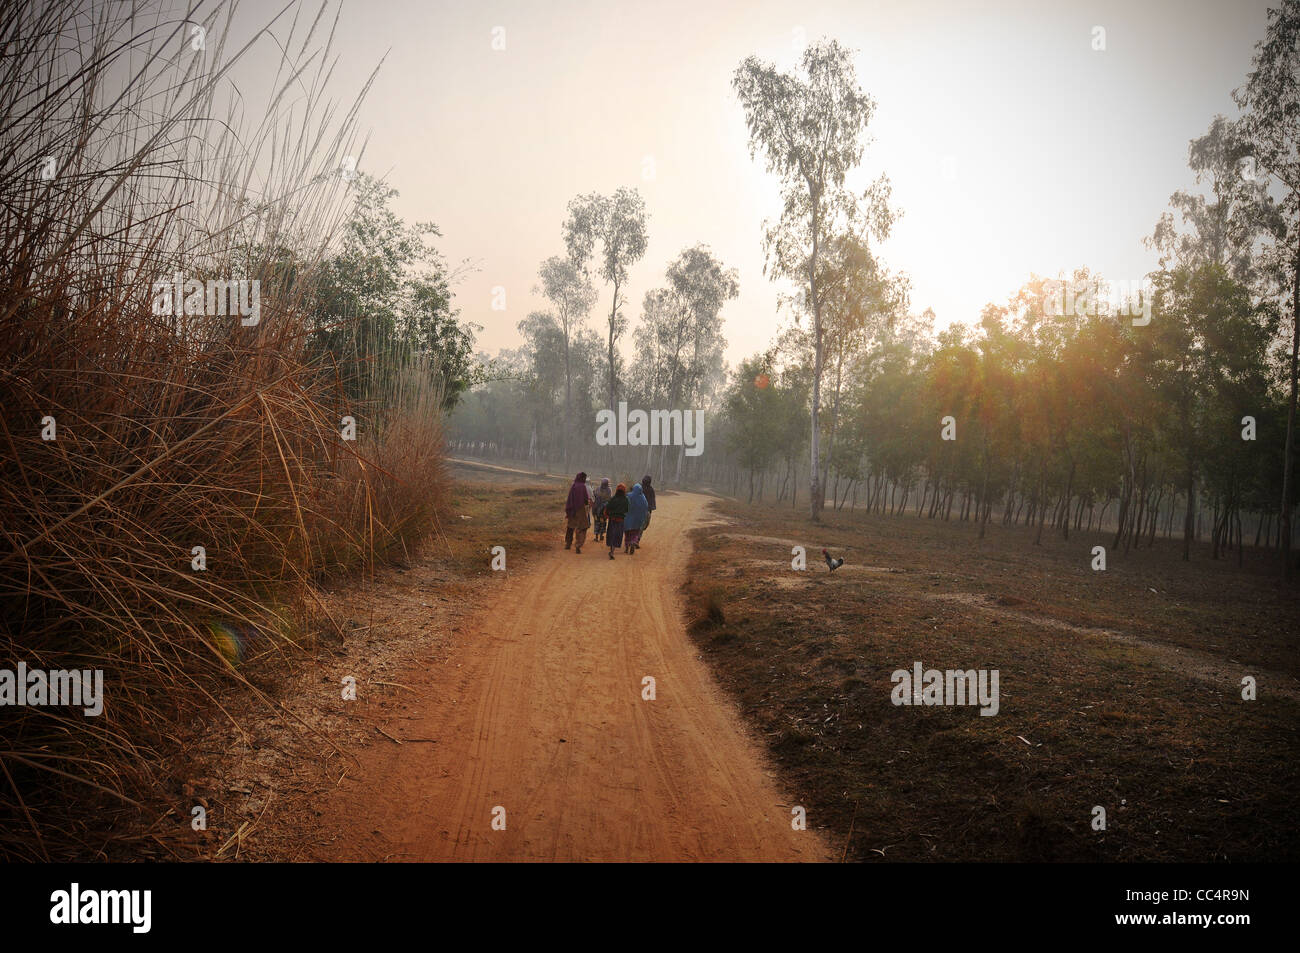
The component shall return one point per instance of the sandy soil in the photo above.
(538, 709)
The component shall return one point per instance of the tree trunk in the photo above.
(568, 397)
(613, 321)
(1069, 493)
(1136, 523)
(814, 488)
(1042, 503)
(1290, 424)
(835, 418)
(1240, 548)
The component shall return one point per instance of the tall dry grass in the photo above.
(171, 433)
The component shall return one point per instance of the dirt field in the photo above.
(523, 690)
(1119, 689)
(520, 690)
(539, 709)
(262, 772)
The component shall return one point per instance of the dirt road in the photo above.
(539, 711)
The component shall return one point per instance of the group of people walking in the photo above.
(621, 515)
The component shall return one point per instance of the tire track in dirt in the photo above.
(544, 717)
(1195, 664)
(1224, 674)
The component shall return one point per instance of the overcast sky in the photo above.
(1012, 145)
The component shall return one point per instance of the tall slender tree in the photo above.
(573, 296)
(860, 301)
(1271, 121)
(617, 224)
(1216, 232)
(812, 128)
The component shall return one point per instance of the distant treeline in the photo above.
(1166, 411)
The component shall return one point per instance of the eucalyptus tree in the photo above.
(1222, 233)
(566, 287)
(753, 405)
(543, 352)
(812, 130)
(1226, 227)
(612, 229)
(860, 303)
(679, 342)
(648, 377)
(701, 285)
(1270, 101)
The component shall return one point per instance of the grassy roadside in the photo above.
(1185, 769)
(257, 769)
(182, 381)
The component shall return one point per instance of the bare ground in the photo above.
(1120, 689)
(520, 690)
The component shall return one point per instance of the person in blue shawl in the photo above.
(638, 508)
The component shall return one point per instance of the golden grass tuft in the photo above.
(171, 433)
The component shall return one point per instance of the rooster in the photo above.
(833, 563)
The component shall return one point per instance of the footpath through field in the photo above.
(540, 712)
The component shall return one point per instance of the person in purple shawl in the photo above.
(577, 513)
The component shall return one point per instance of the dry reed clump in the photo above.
(169, 432)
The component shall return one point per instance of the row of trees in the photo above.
(540, 400)
(1038, 410)
(1052, 415)
(1044, 418)
(1036, 413)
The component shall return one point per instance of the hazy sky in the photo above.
(1013, 147)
